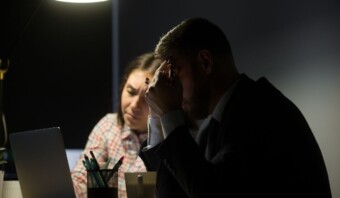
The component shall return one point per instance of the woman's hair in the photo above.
(146, 62)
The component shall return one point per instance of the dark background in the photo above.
(67, 63)
(60, 72)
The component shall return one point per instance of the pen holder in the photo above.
(102, 183)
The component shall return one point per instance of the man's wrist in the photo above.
(155, 135)
(171, 120)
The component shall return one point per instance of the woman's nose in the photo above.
(138, 101)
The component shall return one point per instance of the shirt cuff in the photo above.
(155, 135)
(171, 120)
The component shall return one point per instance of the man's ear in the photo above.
(205, 59)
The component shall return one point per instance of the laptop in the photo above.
(41, 163)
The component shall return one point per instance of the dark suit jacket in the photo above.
(262, 148)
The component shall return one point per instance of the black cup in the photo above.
(102, 184)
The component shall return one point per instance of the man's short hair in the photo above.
(193, 35)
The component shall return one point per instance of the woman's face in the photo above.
(134, 107)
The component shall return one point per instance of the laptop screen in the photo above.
(41, 163)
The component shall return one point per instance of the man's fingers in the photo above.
(163, 66)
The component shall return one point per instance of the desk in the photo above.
(11, 189)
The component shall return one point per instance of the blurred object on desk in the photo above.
(11, 189)
(141, 184)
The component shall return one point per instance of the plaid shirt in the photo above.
(106, 140)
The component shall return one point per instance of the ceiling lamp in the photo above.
(81, 1)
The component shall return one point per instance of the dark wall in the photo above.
(60, 70)
(295, 44)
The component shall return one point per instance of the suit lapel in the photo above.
(211, 132)
(218, 136)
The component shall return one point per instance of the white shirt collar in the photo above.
(222, 103)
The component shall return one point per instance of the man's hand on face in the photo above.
(164, 92)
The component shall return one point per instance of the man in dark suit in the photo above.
(254, 142)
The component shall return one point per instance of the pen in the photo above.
(96, 173)
(95, 161)
(97, 168)
(118, 164)
(85, 165)
(107, 163)
(90, 170)
(115, 168)
(94, 165)
(88, 162)
(91, 176)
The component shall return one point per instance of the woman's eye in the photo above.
(131, 92)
